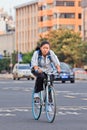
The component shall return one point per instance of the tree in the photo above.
(67, 45)
(27, 57)
(4, 64)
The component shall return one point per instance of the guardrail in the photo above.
(81, 75)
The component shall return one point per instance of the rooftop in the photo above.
(26, 4)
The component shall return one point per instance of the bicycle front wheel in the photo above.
(50, 104)
(36, 108)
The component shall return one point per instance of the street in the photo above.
(15, 106)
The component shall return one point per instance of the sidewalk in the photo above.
(6, 76)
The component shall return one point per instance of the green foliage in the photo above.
(27, 57)
(4, 64)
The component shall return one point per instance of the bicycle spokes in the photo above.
(50, 105)
(36, 108)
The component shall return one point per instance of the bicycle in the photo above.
(48, 91)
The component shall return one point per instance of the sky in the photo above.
(8, 5)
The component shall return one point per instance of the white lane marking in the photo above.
(61, 110)
(85, 99)
(7, 115)
(70, 110)
(8, 112)
(68, 113)
(69, 96)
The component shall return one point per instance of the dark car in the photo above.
(66, 74)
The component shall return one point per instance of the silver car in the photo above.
(22, 71)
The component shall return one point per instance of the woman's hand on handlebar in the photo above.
(36, 68)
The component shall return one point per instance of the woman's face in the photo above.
(45, 49)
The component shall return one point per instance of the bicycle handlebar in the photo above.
(50, 73)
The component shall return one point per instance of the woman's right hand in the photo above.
(36, 68)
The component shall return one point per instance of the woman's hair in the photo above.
(42, 43)
(37, 48)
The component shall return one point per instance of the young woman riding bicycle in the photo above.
(43, 59)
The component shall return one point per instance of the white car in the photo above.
(22, 71)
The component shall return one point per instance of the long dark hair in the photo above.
(41, 44)
(37, 48)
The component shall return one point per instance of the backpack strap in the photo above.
(40, 56)
(49, 57)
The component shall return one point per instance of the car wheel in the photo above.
(18, 78)
(72, 81)
(14, 78)
(63, 81)
(28, 78)
(32, 78)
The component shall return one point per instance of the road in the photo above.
(15, 106)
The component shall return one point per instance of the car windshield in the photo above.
(64, 67)
(23, 67)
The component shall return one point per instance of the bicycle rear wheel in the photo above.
(50, 103)
(36, 107)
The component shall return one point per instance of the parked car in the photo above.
(22, 71)
(66, 74)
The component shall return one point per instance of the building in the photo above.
(84, 20)
(26, 26)
(55, 14)
(7, 43)
(35, 19)
(7, 33)
(6, 22)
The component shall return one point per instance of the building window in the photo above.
(79, 3)
(49, 6)
(68, 26)
(44, 18)
(79, 28)
(41, 18)
(44, 29)
(55, 26)
(49, 17)
(64, 3)
(43, 7)
(56, 15)
(79, 16)
(40, 8)
(40, 30)
(67, 15)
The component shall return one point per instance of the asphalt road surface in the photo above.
(15, 106)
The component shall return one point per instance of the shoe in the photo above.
(36, 98)
(36, 95)
(49, 108)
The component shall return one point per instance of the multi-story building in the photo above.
(7, 43)
(7, 33)
(26, 26)
(84, 20)
(55, 14)
(36, 18)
